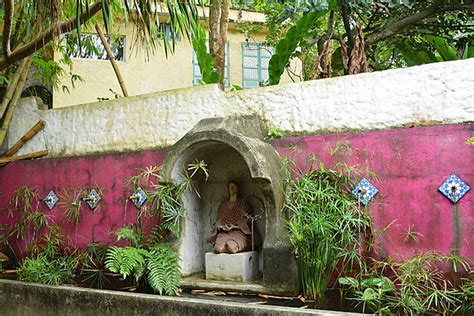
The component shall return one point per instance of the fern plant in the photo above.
(155, 263)
(159, 265)
(127, 233)
(127, 261)
(164, 275)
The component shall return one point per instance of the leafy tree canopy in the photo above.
(351, 36)
(31, 25)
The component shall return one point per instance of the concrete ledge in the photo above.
(254, 287)
(19, 298)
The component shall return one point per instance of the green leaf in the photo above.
(205, 60)
(288, 45)
(349, 281)
(4, 81)
(468, 51)
(372, 282)
(416, 56)
(369, 295)
(443, 48)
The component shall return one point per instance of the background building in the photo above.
(246, 65)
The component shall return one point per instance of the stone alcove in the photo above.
(233, 148)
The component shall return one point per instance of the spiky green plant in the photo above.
(419, 286)
(71, 204)
(23, 198)
(170, 206)
(97, 277)
(52, 265)
(31, 221)
(466, 295)
(324, 224)
(47, 271)
(93, 256)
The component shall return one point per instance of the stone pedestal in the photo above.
(232, 267)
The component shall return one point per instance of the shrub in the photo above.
(324, 223)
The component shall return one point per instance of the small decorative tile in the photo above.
(51, 199)
(364, 191)
(454, 188)
(93, 199)
(138, 197)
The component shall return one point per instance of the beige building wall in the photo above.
(145, 75)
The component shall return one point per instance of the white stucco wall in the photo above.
(435, 93)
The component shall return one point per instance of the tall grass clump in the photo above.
(325, 225)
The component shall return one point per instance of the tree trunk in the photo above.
(17, 89)
(218, 21)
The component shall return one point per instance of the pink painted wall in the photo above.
(411, 164)
(108, 172)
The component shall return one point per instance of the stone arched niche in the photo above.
(233, 148)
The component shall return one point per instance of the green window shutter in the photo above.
(266, 54)
(227, 66)
(197, 77)
(255, 59)
(250, 65)
(196, 71)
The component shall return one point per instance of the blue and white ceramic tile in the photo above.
(454, 188)
(93, 199)
(138, 197)
(51, 199)
(364, 191)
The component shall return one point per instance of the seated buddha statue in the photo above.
(232, 230)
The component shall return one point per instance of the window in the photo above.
(164, 29)
(255, 58)
(92, 48)
(197, 72)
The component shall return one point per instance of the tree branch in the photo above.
(458, 7)
(7, 27)
(398, 26)
(346, 22)
(371, 19)
(46, 36)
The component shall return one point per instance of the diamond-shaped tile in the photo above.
(454, 188)
(138, 197)
(93, 199)
(51, 199)
(364, 191)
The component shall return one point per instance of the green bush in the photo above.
(324, 224)
(52, 265)
(47, 271)
(414, 286)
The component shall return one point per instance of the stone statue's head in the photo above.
(233, 188)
